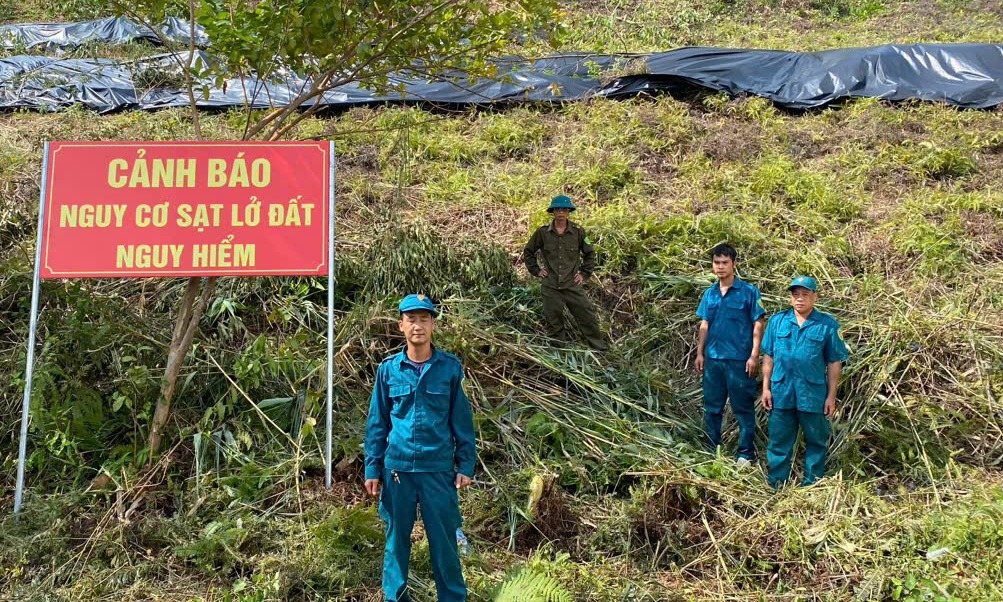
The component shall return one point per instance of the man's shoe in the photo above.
(743, 462)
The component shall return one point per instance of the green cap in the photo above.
(417, 303)
(560, 202)
(804, 282)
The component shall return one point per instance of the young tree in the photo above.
(331, 44)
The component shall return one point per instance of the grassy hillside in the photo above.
(591, 471)
(655, 25)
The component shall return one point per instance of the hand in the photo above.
(699, 362)
(543, 274)
(373, 487)
(768, 400)
(579, 279)
(829, 409)
(463, 481)
(752, 366)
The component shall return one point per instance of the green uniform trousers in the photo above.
(783, 425)
(435, 492)
(577, 302)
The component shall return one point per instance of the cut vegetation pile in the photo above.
(592, 484)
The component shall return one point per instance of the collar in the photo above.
(792, 317)
(403, 356)
(571, 227)
(736, 285)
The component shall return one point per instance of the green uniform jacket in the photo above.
(564, 255)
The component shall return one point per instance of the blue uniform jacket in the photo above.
(800, 357)
(731, 319)
(420, 423)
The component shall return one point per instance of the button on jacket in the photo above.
(420, 422)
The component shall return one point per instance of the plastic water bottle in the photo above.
(462, 545)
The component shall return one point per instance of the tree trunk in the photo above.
(189, 315)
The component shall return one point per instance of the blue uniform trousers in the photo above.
(435, 492)
(723, 380)
(784, 426)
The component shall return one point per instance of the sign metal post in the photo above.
(22, 450)
(330, 326)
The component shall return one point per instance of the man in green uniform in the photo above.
(802, 357)
(568, 261)
(731, 327)
(420, 450)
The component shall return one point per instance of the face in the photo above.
(561, 214)
(417, 326)
(803, 300)
(724, 266)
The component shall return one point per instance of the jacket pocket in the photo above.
(711, 311)
(815, 339)
(400, 396)
(400, 390)
(815, 376)
(785, 338)
(733, 309)
(438, 397)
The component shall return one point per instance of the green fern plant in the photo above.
(531, 586)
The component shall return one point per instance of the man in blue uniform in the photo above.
(802, 357)
(731, 327)
(420, 450)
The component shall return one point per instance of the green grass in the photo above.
(807, 25)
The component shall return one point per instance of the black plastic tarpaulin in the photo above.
(113, 30)
(966, 75)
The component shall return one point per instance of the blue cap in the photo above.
(804, 282)
(560, 202)
(417, 302)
